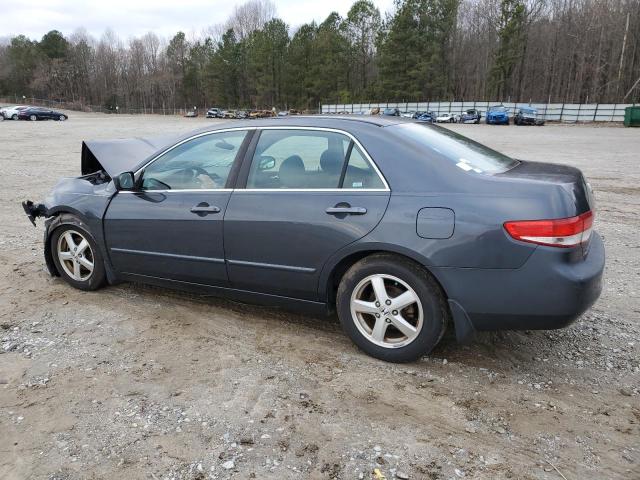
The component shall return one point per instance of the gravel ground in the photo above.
(136, 382)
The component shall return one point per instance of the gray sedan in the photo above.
(399, 227)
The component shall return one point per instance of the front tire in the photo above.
(391, 308)
(77, 257)
(62, 118)
(14, 116)
(33, 118)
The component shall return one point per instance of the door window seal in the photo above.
(347, 157)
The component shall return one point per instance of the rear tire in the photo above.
(373, 314)
(33, 118)
(77, 257)
(14, 116)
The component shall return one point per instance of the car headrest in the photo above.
(331, 162)
(291, 172)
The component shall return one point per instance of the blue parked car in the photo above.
(471, 116)
(429, 117)
(498, 115)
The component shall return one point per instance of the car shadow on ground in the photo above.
(486, 349)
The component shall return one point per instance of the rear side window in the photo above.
(310, 160)
(467, 154)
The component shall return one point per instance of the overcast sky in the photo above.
(136, 17)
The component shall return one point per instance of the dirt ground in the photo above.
(134, 382)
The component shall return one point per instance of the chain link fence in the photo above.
(554, 112)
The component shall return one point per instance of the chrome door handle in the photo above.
(203, 209)
(346, 210)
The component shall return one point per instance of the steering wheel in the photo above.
(202, 171)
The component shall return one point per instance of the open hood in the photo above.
(117, 156)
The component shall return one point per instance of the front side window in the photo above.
(202, 163)
(310, 159)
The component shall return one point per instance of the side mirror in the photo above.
(124, 181)
(266, 163)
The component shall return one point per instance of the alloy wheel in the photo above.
(75, 255)
(33, 118)
(387, 311)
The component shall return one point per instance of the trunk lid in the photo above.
(569, 179)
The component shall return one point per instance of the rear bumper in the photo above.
(549, 291)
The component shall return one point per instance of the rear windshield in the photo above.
(465, 153)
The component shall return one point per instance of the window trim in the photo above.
(243, 177)
(245, 156)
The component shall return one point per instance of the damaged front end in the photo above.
(64, 193)
(34, 210)
(83, 200)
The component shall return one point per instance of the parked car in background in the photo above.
(191, 114)
(40, 113)
(11, 113)
(408, 114)
(382, 225)
(528, 116)
(283, 113)
(428, 117)
(498, 115)
(213, 112)
(229, 114)
(471, 116)
(446, 118)
(391, 112)
(240, 114)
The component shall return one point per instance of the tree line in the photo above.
(423, 50)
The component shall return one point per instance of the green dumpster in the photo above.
(632, 117)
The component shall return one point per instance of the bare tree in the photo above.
(250, 16)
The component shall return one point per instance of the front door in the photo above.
(302, 195)
(171, 228)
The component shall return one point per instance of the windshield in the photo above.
(467, 154)
(498, 108)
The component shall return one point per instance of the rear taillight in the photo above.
(561, 232)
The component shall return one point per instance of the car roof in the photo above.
(345, 122)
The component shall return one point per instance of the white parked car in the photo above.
(446, 118)
(12, 112)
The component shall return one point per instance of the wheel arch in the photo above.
(330, 279)
(340, 263)
(65, 215)
(59, 216)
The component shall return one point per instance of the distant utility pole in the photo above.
(624, 44)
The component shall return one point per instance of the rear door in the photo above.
(172, 227)
(303, 194)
